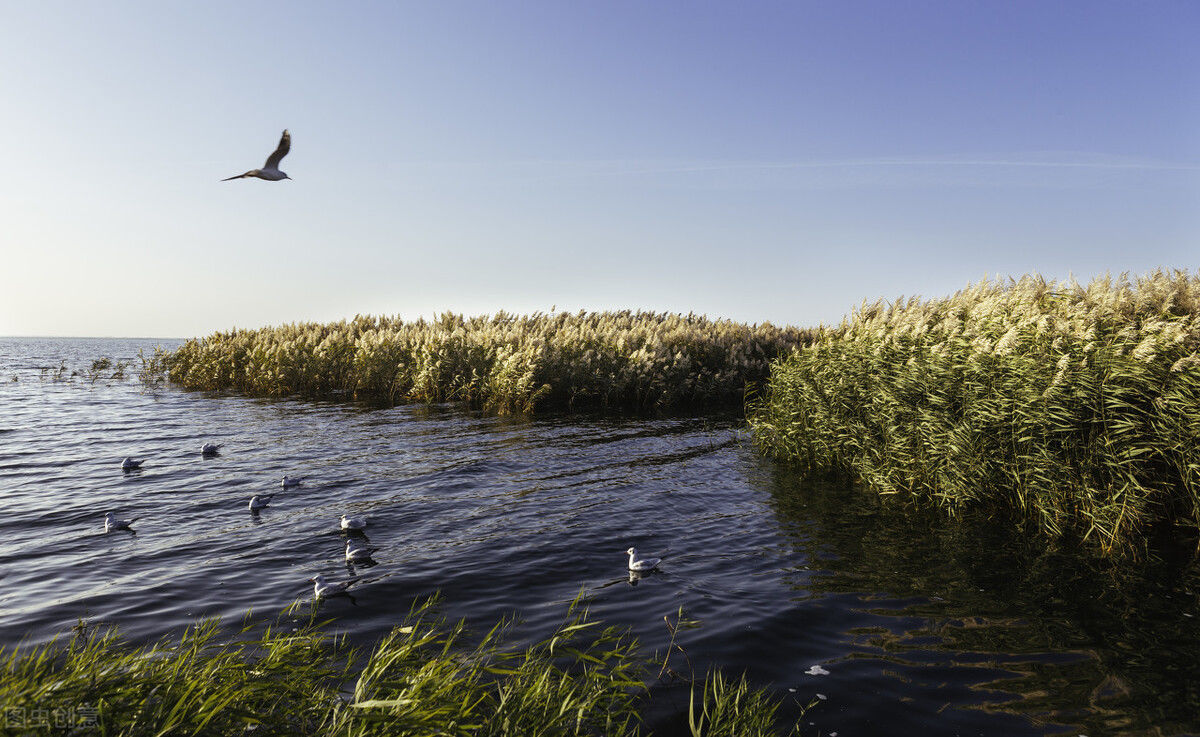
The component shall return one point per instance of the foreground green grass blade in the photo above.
(424, 678)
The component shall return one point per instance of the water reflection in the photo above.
(331, 600)
(975, 615)
(362, 564)
(925, 627)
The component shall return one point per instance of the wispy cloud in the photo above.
(1071, 168)
(1081, 161)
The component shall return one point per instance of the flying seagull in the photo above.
(270, 170)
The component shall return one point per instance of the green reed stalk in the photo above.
(1076, 407)
(503, 363)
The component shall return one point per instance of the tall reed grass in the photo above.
(424, 678)
(1073, 406)
(504, 363)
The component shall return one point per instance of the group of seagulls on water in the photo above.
(357, 551)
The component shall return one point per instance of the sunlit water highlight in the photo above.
(925, 627)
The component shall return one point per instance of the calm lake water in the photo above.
(926, 627)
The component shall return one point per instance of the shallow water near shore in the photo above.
(925, 626)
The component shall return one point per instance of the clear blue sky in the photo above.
(756, 160)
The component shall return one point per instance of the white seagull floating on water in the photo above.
(357, 551)
(210, 449)
(353, 523)
(290, 481)
(321, 587)
(270, 170)
(260, 501)
(112, 523)
(130, 464)
(641, 564)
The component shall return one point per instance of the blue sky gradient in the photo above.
(762, 161)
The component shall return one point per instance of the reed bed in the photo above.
(424, 678)
(1074, 407)
(503, 363)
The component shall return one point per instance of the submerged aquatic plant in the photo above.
(504, 363)
(153, 370)
(103, 364)
(98, 367)
(58, 374)
(1075, 407)
(424, 678)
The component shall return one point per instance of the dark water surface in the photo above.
(926, 627)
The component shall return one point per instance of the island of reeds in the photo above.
(502, 363)
(425, 678)
(1073, 407)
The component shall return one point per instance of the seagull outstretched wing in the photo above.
(285, 145)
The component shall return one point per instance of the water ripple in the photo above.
(918, 625)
